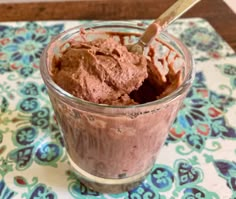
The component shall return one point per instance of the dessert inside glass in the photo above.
(114, 107)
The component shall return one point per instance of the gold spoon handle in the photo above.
(170, 15)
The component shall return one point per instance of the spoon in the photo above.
(170, 15)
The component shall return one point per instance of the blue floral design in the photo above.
(29, 89)
(187, 173)
(230, 71)
(226, 170)
(202, 117)
(143, 191)
(6, 31)
(26, 47)
(5, 192)
(198, 193)
(22, 157)
(26, 135)
(162, 177)
(29, 104)
(201, 38)
(22, 46)
(48, 152)
(41, 118)
(42, 192)
(37, 139)
(26, 71)
(78, 189)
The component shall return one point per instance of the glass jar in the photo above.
(113, 148)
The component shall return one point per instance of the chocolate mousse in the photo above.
(100, 71)
(125, 142)
(103, 71)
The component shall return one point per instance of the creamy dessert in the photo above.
(100, 71)
(123, 143)
(103, 71)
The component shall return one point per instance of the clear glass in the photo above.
(113, 148)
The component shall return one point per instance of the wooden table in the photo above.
(215, 11)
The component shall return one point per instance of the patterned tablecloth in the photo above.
(197, 161)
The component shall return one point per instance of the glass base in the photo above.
(104, 185)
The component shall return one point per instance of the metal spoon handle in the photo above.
(175, 11)
(170, 15)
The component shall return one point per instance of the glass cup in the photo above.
(113, 148)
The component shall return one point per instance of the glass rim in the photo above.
(122, 24)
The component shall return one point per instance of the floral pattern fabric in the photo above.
(201, 145)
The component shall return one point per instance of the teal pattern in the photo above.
(229, 70)
(35, 190)
(5, 192)
(196, 162)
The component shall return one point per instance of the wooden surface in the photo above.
(216, 12)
